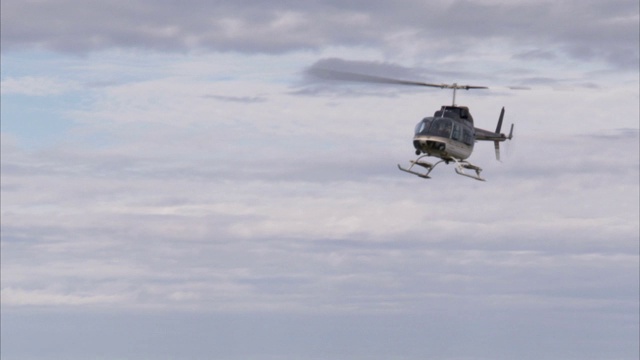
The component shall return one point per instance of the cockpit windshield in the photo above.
(441, 127)
(423, 126)
(435, 127)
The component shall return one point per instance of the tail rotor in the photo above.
(496, 143)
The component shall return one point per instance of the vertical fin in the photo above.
(496, 144)
(499, 127)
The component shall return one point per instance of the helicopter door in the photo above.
(456, 134)
(467, 137)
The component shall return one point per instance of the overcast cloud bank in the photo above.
(174, 185)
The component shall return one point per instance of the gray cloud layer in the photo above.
(585, 30)
(540, 260)
(197, 207)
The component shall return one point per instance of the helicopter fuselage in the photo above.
(448, 134)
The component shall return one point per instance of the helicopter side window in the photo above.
(441, 127)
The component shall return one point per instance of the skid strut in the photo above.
(427, 165)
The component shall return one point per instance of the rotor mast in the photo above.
(455, 88)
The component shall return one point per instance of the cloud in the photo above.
(240, 99)
(20, 297)
(37, 86)
(380, 242)
(583, 30)
(198, 186)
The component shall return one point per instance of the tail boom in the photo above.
(496, 136)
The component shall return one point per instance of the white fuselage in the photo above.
(442, 147)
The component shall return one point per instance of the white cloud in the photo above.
(37, 86)
(187, 240)
(22, 297)
(583, 30)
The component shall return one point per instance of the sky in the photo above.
(176, 184)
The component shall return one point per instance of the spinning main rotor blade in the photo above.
(357, 77)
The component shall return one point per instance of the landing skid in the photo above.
(460, 166)
(424, 164)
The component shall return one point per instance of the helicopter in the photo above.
(448, 135)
